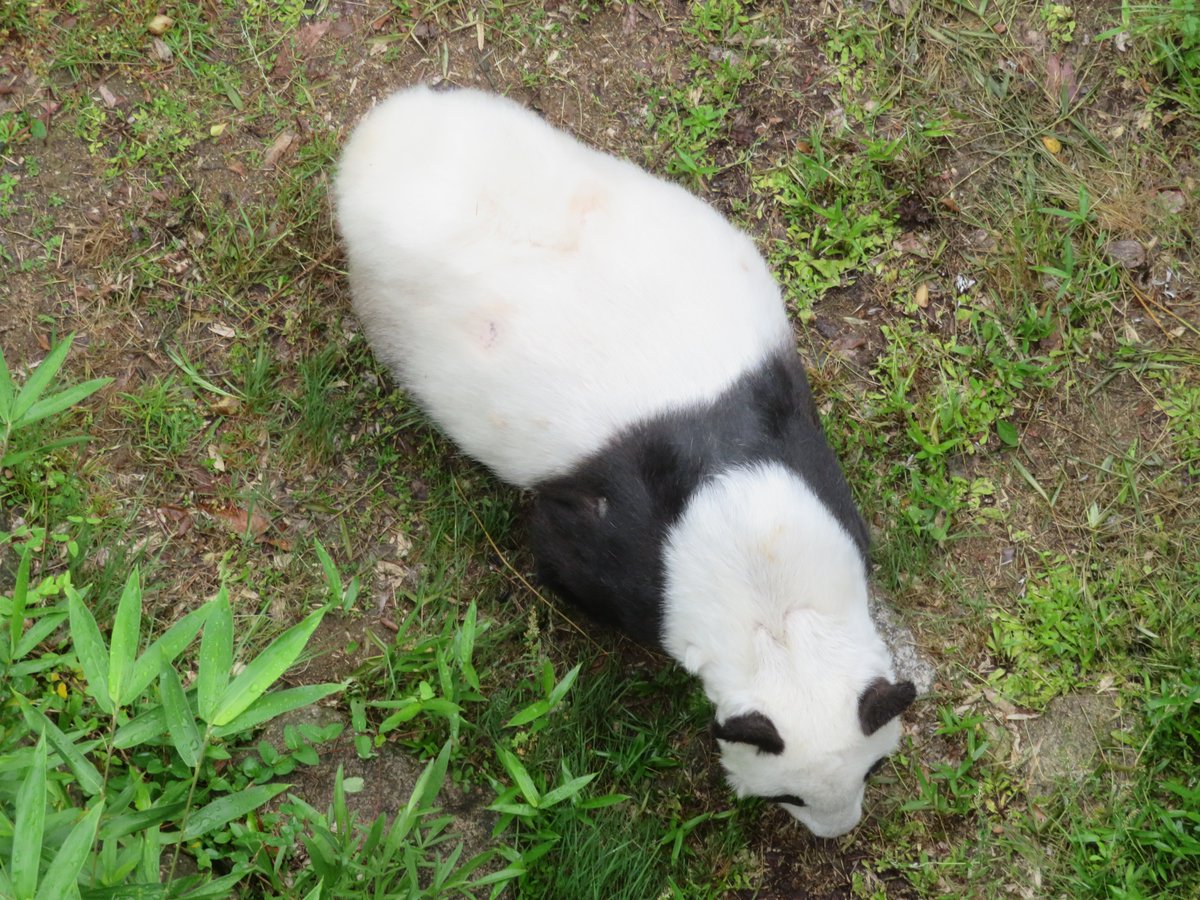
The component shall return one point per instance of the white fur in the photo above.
(534, 294)
(766, 602)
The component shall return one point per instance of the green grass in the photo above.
(1020, 427)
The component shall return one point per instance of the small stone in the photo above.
(1127, 253)
(1171, 201)
(159, 25)
(160, 51)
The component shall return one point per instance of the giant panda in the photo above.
(608, 341)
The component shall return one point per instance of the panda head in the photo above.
(767, 603)
(815, 766)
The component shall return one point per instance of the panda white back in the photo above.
(514, 280)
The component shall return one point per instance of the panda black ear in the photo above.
(750, 728)
(882, 701)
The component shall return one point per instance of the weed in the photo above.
(1146, 842)
(691, 120)
(838, 216)
(1173, 32)
(166, 417)
(1059, 19)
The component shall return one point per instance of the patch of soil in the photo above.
(1066, 741)
(388, 779)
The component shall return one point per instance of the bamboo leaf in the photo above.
(63, 873)
(521, 777)
(129, 823)
(563, 791)
(30, 824)
(16, 619)
(38, 632)
(85, 773)
(40, 379)
(264, 670)
(65, 399)
(141, 729)
(127, 628)
(12, 459)
(269, 706)
(181, 722)
(89, 649)
(232, 806)
(216, 656)
(533, 711)
(166, 648)
(560, 689)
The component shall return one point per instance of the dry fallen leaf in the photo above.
(848, 343)
(107, 96)
(238, 520)
(283, 145)
(216, 459)
(1060, 78)
(1053, 144)
(922, 297)
(175, 520)
(308, 36)
(225, 406)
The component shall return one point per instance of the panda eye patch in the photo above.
(875, 767)
(789, 799)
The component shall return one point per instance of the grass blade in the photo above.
(275, 704)
(127, 628)
(89, 648)
(63, 873)
(40, 379)
(165, 649)
(56, 403)
(181, 722)
(216, 656)
(6, 391)
(29, 825)
(85, 773)
(176, 356)
(332, 577)
(232, 806)
(1031, 481)
(264, 670)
